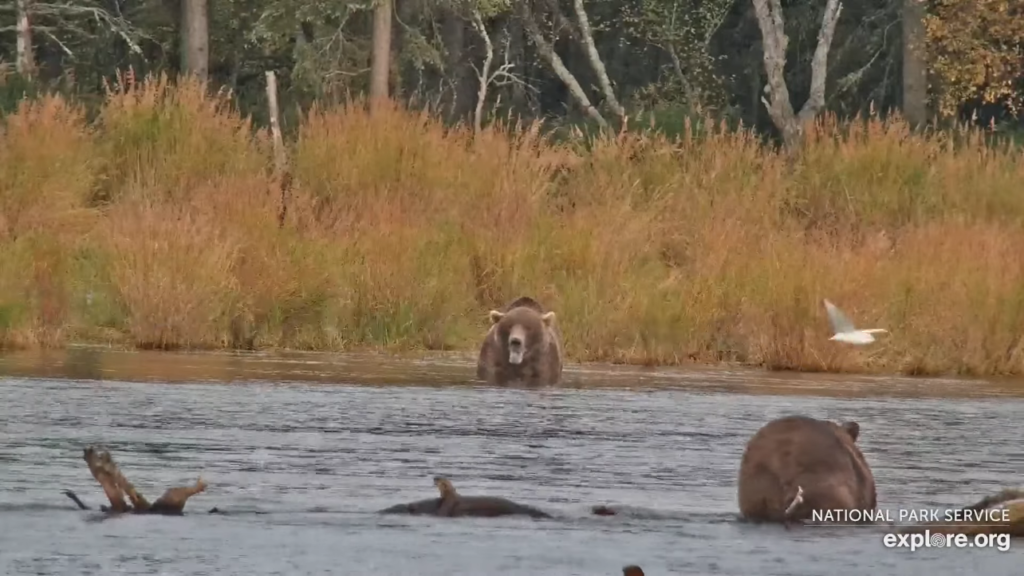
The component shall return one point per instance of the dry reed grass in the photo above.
(156, 226)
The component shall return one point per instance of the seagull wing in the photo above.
(839, 321)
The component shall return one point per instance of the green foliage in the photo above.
(684, 29)
(700, 55)
(13, 89)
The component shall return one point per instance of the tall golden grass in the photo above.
(156, 226)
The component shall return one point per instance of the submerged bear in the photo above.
(452, 504)
(796, 465)
(116, 487)
(523, 345)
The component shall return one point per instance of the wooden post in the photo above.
(281, 172)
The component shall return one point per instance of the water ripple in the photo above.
(303, 468)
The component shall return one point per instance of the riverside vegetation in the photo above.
(155, 225)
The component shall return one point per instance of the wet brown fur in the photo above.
(542, 361)
(820, 456)
(632, 570)
(116, 486)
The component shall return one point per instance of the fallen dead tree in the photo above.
(116, 486)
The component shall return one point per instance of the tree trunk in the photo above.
(380, 59)
(406, 11)
(594, 58)
(774, 44)
(547, 52)
(915, 66)
(484, 76)
(195, 39)
(25, 60)
(454, 36)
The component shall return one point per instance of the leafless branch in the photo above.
(819, 64)
(775, 42)
(501, 76)
(547, 52)
(482, 74)
(116, 24)
(57, 40)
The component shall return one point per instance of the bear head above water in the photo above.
(523, 344)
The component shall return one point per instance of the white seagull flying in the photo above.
(844, 330)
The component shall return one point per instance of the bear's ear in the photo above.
(496, 316)
(548, 318)
(853, 429)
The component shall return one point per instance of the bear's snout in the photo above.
(515, 351)
(516, 347)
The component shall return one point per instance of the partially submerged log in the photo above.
(116, 487)
(1001, 513)
(452, 504)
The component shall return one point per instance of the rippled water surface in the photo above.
(302, 450)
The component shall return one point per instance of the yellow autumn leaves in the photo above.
(976, 52)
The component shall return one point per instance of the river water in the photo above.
(302, 450)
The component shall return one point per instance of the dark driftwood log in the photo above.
(116, 487)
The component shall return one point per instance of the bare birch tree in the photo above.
(775, 42)
(594, 58)
(547, 52)
(583, 34)
(25, 62)
(486, 74)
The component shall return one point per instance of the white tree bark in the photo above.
(485, 71)
(487, 75)
(596, 63)
(547, 52)
(25, 60)
(771, 22)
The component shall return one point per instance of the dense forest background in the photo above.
(595, 62)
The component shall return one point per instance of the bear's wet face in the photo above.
(521, 332)
(523, 345)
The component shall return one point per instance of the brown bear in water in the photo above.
(796, 464)
(523, 344)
